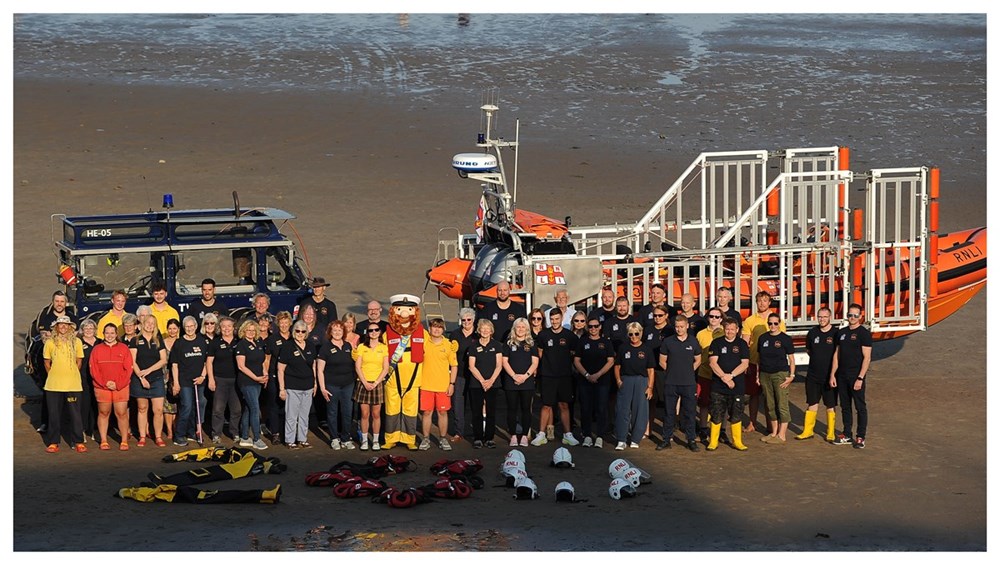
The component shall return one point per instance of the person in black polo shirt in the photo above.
(502, 312)
(777, 371)
(850, 369)
(606, 309)
(634, 375)
(616, 327)
(555, 348)
(821, 343)
(520, 363)
(680, 355)
(594, 358)
(208, 303)
(729, 358)
(326, 310)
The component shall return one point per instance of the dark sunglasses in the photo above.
(774, 323)
(376, 330)
(466, 320)
(579, 321)
(632, 334)
(593, 326)
(301, 331)
(536, 317)
(854, 315)
(659, 315)
(714, 317)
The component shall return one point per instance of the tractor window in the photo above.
(281, 274)
(131, 272)
(232, 269)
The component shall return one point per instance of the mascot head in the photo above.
(404, 313)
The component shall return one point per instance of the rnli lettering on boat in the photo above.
(966, 254)
(474, 162)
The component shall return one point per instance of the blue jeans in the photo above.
(338, 411)
(632, 409)
(250, 419)
(186, 415)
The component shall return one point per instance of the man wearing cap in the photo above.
(405, 338)
(63, 356)
(326, 310)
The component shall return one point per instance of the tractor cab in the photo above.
(242, 250)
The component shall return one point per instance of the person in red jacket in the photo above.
(111, 371)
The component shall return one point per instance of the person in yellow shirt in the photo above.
(63, 355)
(438, 384)
(162, 311)
(753, 327)
(115, 314)
(705, 338)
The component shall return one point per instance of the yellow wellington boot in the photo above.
(713, 436)
(737, 431)
(809, 426)
(831, 423)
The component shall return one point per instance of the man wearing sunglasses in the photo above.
(850, 371)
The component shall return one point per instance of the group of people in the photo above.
(270, 371)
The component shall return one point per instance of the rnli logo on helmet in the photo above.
(549, 274)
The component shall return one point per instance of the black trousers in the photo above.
(477, 398)
(856, 398)
(519, 408)
(58, 403)
(688, 410)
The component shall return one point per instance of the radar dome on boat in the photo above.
(474, 162)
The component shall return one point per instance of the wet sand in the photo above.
(371, 185)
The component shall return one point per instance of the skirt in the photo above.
(365, 396)
(156, 389)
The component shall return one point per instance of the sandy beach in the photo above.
(355, 168)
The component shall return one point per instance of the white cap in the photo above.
(404, 300)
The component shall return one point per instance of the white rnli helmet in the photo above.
(565, 492)
(525, 489)
(562, 459)
(512, 470)
(618, 468)
(620, 488)
(514, 454)
(632, 476)
(644, 477)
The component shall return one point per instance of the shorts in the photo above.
(556, 390)
(704, 392)
(750, 384)
(110, 396)
(431, 400)
(726, 407)
(817, 389)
